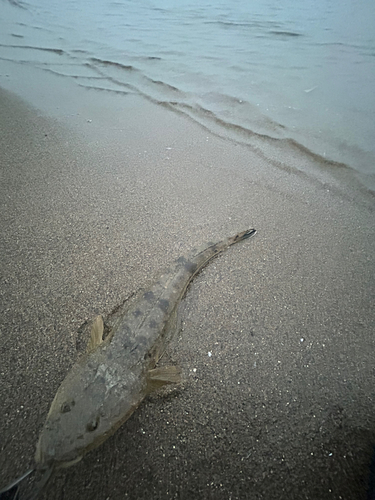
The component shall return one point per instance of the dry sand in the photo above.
(92, 211)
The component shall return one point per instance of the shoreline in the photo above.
(95, 205)
(60, 97)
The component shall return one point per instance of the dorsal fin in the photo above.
(97, 330)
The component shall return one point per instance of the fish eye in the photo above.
(93, 424)
(67, 406)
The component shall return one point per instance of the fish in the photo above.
(108, 383)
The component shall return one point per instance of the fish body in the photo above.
(108, 383)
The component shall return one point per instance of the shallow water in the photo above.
(252, 71)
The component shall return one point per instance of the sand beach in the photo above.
(98, 196)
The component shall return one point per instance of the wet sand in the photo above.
(95, 204)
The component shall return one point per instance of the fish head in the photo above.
(92, 402)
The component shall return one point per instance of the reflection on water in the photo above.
(299, 72)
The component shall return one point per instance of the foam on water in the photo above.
(301, 74)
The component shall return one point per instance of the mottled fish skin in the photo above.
(107, 384)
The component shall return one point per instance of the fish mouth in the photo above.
(45, 459)
(45, 463)
(65, 465)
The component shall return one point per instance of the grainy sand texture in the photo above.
(277, 341)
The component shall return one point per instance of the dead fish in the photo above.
(109, 382)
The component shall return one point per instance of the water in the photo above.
(299, 72)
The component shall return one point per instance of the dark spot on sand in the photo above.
(153, 324)
(137, 313)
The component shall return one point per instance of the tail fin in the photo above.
(241, 236)
(248, 233)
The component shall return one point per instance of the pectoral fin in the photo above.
(97, 330)
(163, 375)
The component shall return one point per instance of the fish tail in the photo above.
(205, 256)
(244, 235)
